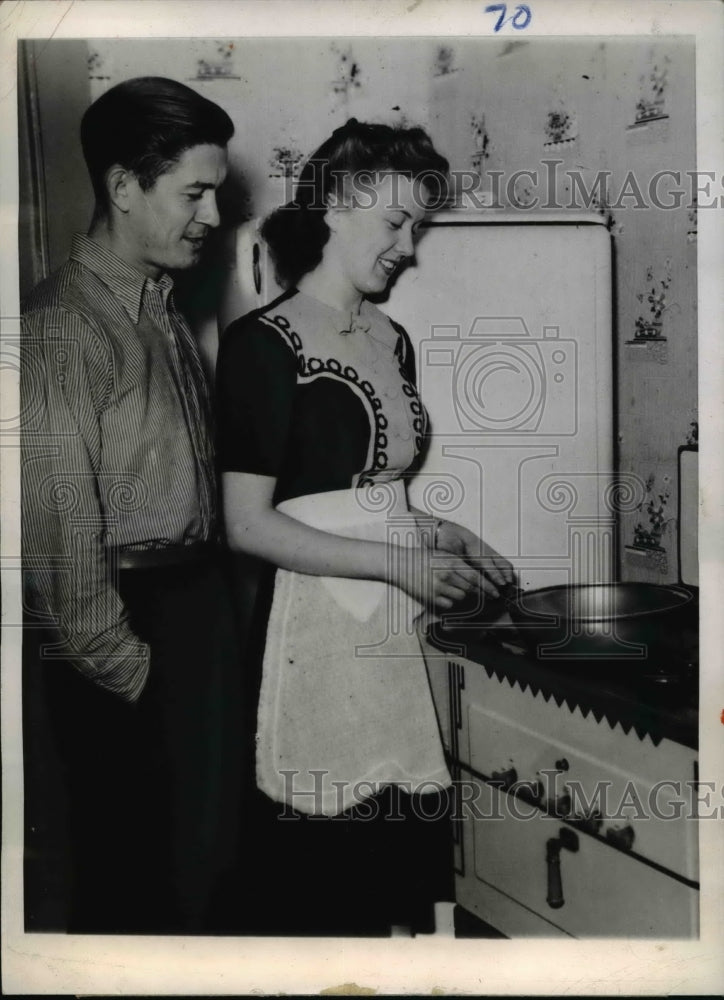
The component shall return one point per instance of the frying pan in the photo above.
(627, 622)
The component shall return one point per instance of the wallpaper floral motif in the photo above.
(218, 63)
(651, 101)
(654, 304)
(96, 67)
(560, 127)
(348, 70)
(480, 144)
(444, 60)
(285, 161)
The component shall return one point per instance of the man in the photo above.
(138, 668)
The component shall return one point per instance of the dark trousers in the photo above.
(384, 862)
(151, 790)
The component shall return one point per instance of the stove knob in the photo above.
(528, 792)
(621, 836)
(561, 805)
(505, 777)
(555, 805)
(591, 821)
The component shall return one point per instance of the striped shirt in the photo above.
(116, 451)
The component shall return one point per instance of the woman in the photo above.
(319, 423)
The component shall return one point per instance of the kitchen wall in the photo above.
(624, 109)
(578, 110)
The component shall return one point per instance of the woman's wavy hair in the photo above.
(296, 233)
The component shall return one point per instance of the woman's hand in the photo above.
(492, 570)
(437, 580)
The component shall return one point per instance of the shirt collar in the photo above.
(126, 283)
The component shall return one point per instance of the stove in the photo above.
(576, 786)
(657, 698)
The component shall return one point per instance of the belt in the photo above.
(164, 556)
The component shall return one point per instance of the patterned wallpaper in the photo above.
(617, 113)
(573, 118)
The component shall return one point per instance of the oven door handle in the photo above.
(566, 839)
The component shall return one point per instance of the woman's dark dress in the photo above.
(316, 424)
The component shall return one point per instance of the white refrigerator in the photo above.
(510, 316)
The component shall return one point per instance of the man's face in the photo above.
(169, 222)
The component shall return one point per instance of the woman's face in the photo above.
(374, 229)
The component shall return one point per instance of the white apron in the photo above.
(345, 704)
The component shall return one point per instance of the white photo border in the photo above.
(60, 964)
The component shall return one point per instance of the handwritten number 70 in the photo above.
(519, 20)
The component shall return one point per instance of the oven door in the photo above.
(536, 876)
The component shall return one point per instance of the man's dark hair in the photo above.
(145, 125)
